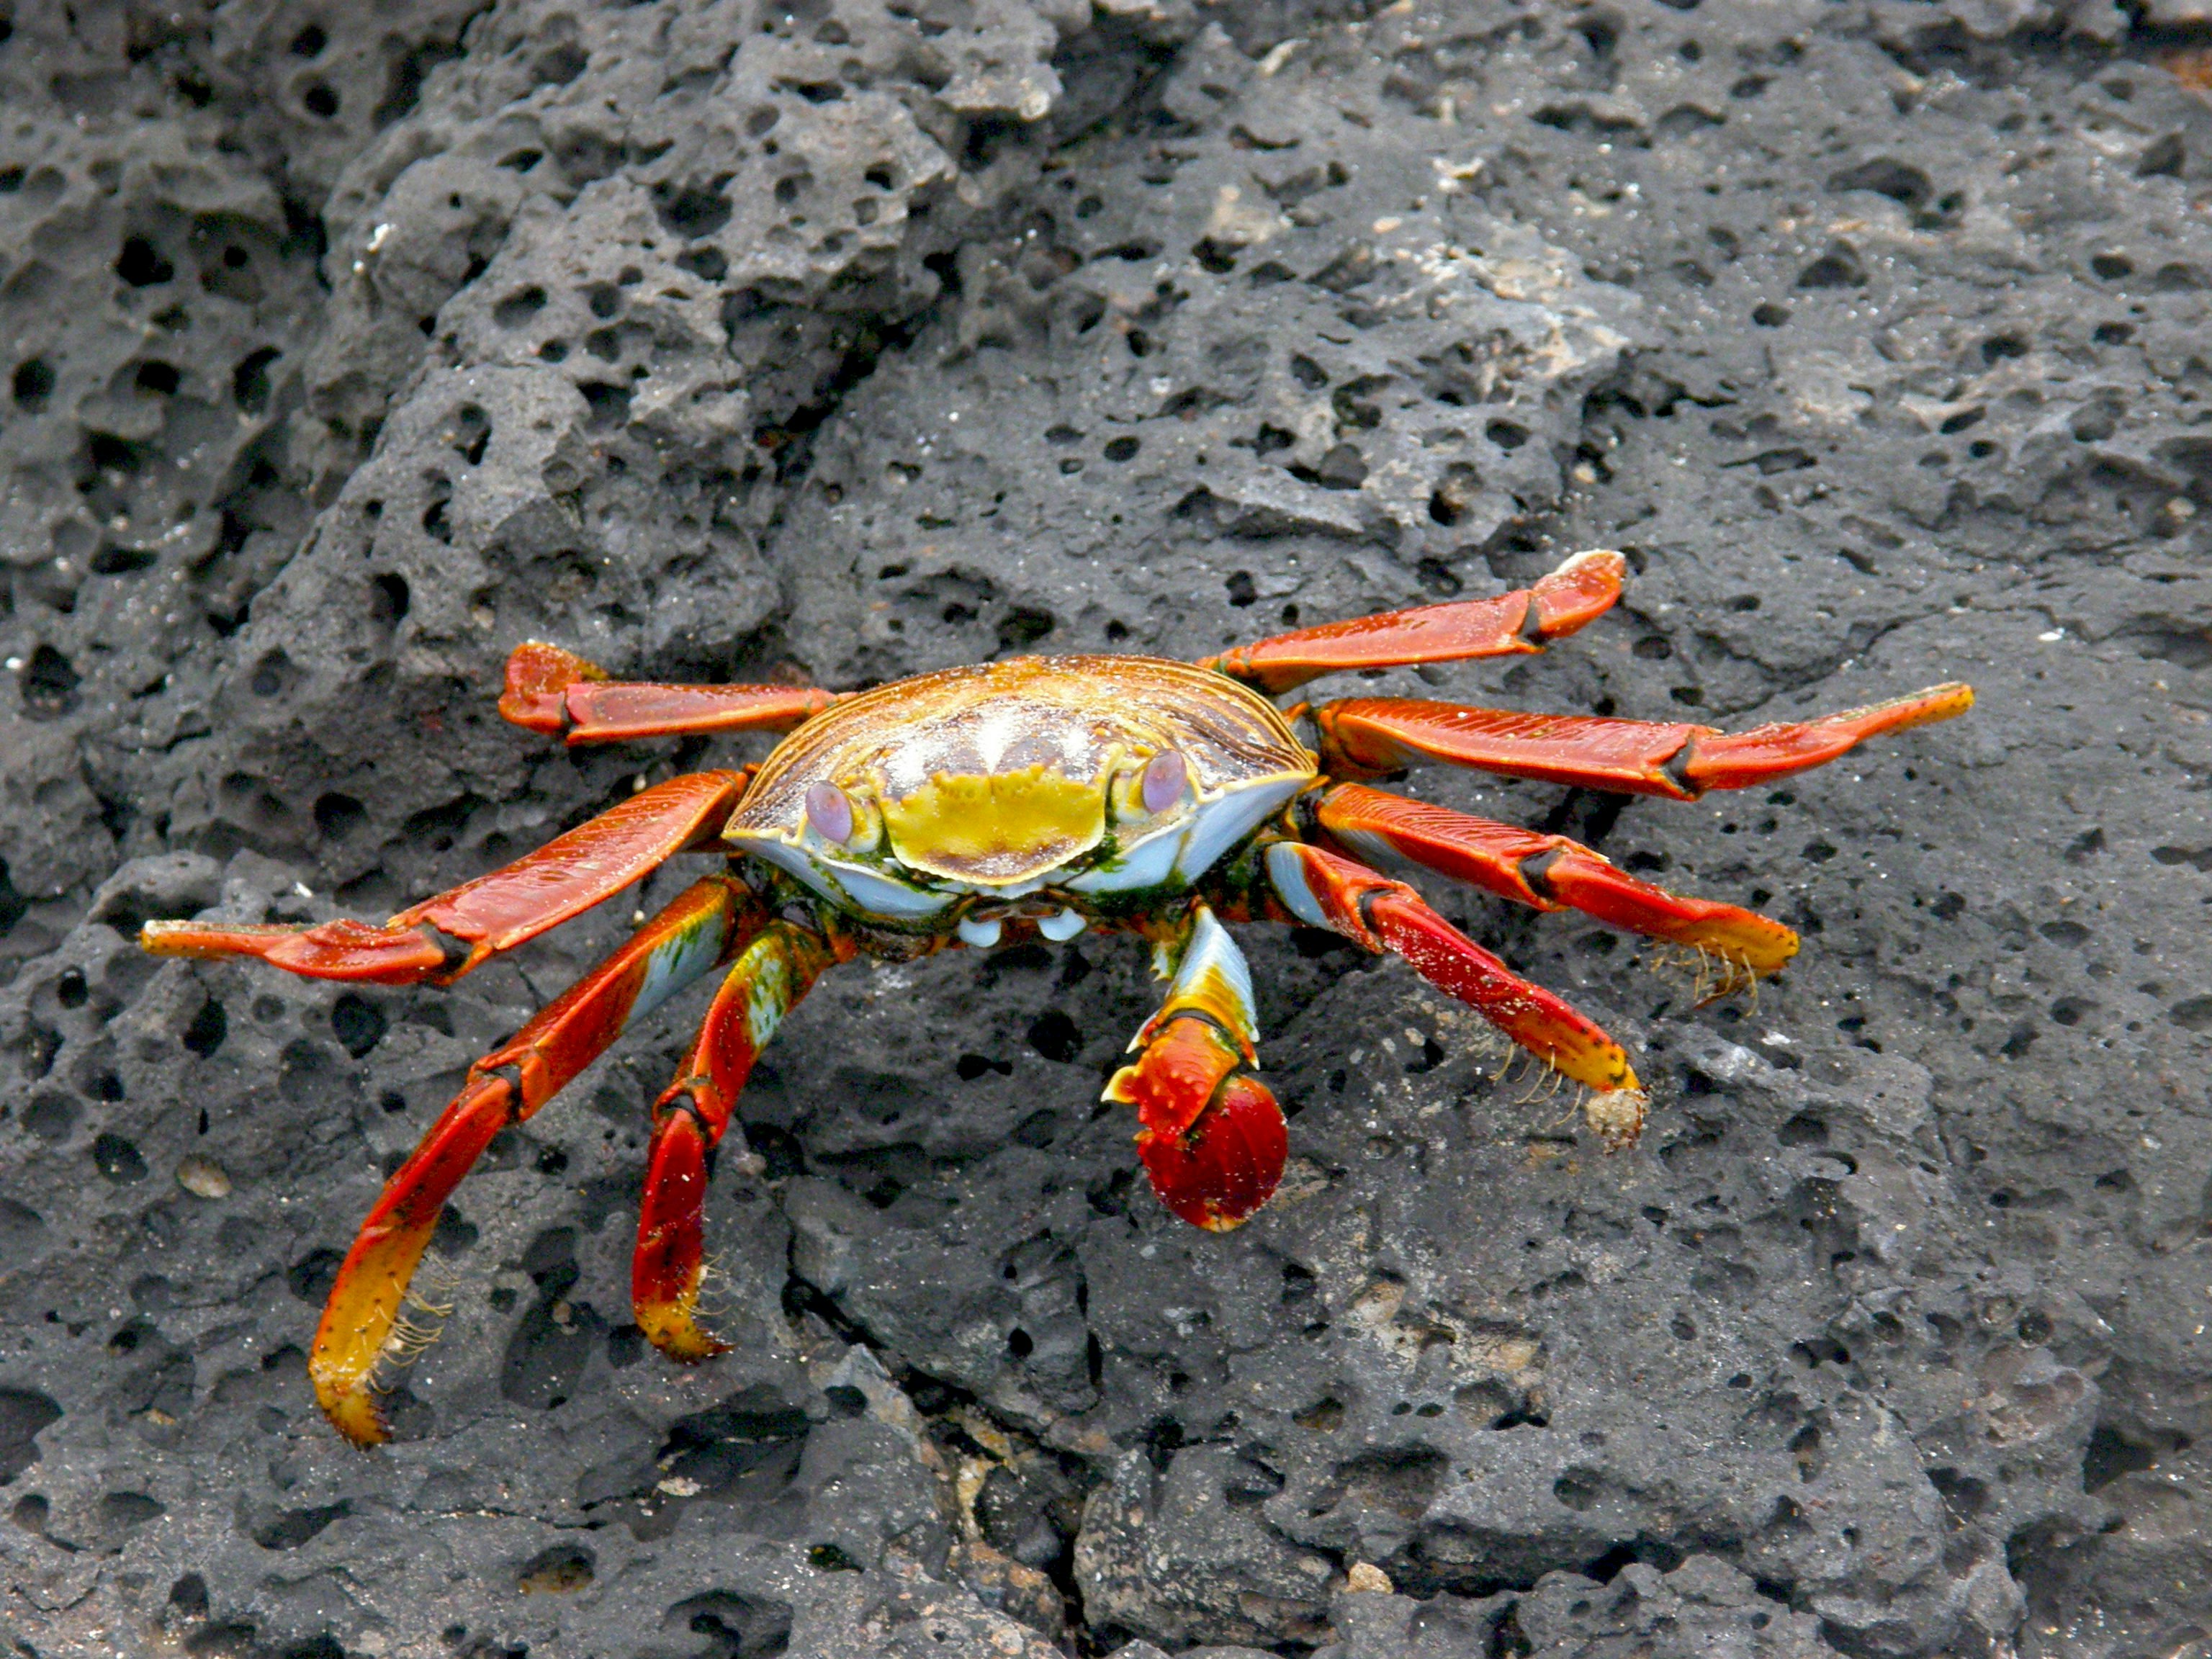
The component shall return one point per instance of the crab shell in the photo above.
(972, 788)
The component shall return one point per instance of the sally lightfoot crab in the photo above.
(1036, 796)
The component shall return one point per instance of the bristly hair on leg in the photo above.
(423, 1310)
(715, 1300)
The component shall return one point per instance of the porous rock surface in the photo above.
(352, 345)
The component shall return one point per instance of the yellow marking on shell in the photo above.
(1002, 827)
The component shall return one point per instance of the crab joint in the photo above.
(1210, 1136)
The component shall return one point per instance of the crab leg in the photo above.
(363, 1327)
(558, 693)
(443, 938)
(1210, 1135)
(1325, 889)
(1548, 872)
(771, 974)
(1510, 624)
(1367, 737)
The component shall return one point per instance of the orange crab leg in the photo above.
(443, 938)
(1325, 889)
(558, 693)
(1367, 737)
(1515, 623)
(1548, 872)
(363, 1327)
(768, 978)
(1210, 1135)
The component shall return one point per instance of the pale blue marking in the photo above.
(1288, 871)
(847, 887)
(1374, 852)
(1222, 823)
(677, 962)
(1063, 927)
(1150, 865)
(1180, 857)
(981, 934)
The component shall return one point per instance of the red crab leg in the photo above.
(1549, 872)
(771, 975)
(1210, 1135)
(1367, 737)
(558, 693)
(443, 938)
(363, 1327)
(1515, 623)
(1324, 890)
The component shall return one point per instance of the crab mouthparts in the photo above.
(996, 828)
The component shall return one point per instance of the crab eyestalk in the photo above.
(1210, 1136)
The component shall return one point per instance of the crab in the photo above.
(1031, 797)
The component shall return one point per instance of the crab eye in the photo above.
(830, 811)
(1164, 779)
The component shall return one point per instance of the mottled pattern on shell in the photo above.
(1076, 714)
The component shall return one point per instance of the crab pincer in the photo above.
(1210, 1136)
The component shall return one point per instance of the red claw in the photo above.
(1227, 1163)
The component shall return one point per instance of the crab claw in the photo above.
(1216, 1172)
(1210, 1135)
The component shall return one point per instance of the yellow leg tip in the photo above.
(352, 1409)
(669, 1327)
(1617, 1115)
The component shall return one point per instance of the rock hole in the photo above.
(1240, 588)
(1054, 1034)
(1024, 626)
(610, 404)
(472, 432)
(208, 1030)
(708, 264)
(249, 380)
(389, 597)
(307, 43)
(159, 378)
(120, 1511)
(360, 1023)
(34, 383)
(141, 264)
(117, 1160)
(287, 1530)
(48, 684)
(311, 1277)
(23, 1413)
(556, 1572)
(270, 674)
(320, 100)
(1885, 176)
(520, 307)
(694, 211)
